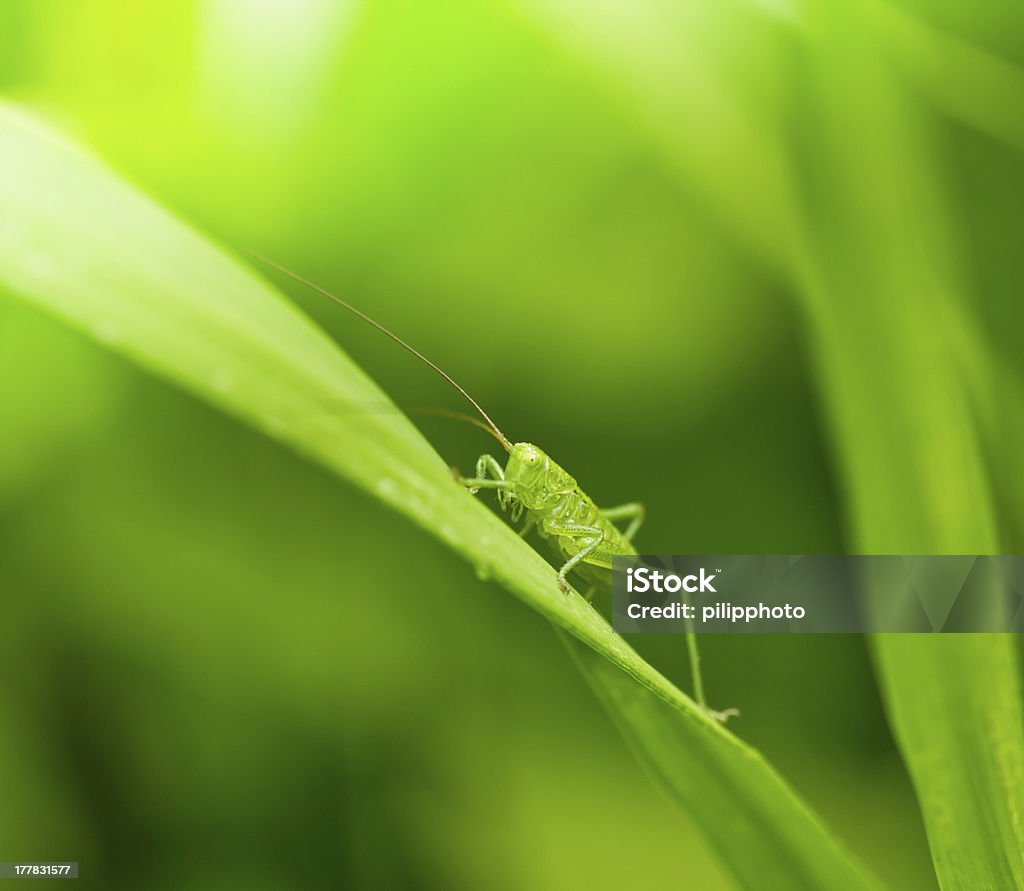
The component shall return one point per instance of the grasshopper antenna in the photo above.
(493, 428)
(452, 415)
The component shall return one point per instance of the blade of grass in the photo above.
(80, 244)
(894, 338)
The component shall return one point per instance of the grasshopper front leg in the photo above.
(489, 475)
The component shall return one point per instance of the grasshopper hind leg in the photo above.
(698, 679)
(634, 512)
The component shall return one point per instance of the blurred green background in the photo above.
(619, 225)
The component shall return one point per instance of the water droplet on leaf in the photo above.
(222, 381)
(40, 265)
(273, 425)
(107, 332)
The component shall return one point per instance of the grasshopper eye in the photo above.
(531, 456)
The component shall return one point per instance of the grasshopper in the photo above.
(583, 535)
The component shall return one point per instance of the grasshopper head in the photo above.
(528, 468)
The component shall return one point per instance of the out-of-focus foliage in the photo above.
(755, 264)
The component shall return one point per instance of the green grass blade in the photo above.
(967, 766)
(905, 382)
(77, 242)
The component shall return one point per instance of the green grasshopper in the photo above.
(583, 535)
